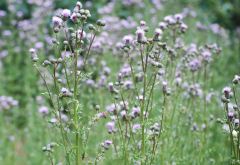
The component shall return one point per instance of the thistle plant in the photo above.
(230, 121)
(75, 42)
(159, 80)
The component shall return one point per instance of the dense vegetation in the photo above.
(123, 82)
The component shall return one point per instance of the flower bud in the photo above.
(159, 65)
(97, 107)
(218, 120)
(82, 11)
(56, 30)
(65, 42)
(236, 80)
(235, 107)
(83, 17)
(44, 149)
(99, 22)
(53, 61)
(91, 27)
(70, 29)
(54, 41)
(46, 62)
(111, 87)
(156, 35)
(223, 99)
(119, 77)
(168, 93)
(146, 29)
(60, 60)
(121, 83)
(103, 23)
(164, 87)
(52, 144)
(78, 15)
(33, 54)
(59, 80)
(35, 59)
(126, 49)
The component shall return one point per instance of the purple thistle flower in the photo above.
(226, 90)
(206, 54)
(56, 20)
(119, 77)
(164, 83)
(127, 40)
(162, 25)
(111, 87)
(110, 126)
(43, 110)
(79, 4)
(66, 13)
(32, 50)
(183, 26)
(236, 121)
(141, 97)
(136, 127)
(74, 17)
(142, 23)
(107, 144)
(230, 114)
(203, 127)
(64, 90)
(178, 16)
(140, 32)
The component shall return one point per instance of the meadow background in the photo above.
(26, 24)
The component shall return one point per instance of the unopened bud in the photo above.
(97, 107)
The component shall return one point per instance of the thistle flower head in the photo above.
(158, 31)
(110, 84)
(164, 83)
(162, 24)
(226, 90)
(123, 113)
(32, 50)
(56, 20)
(142, 23)
(178, 16)
(236, 121)
(127, 38)
(79, 4)
(111, 125)
(206, 54)
(66, 13)
(136, 127)
(230, 114)
(183, 26)
(108, 142)
(43, 110)
(64, 90)
(140, 32)
(135, 109)
(73, 17)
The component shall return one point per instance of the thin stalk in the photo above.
(60, 117)
(154, 149)
(239, 120)
(75, 97)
